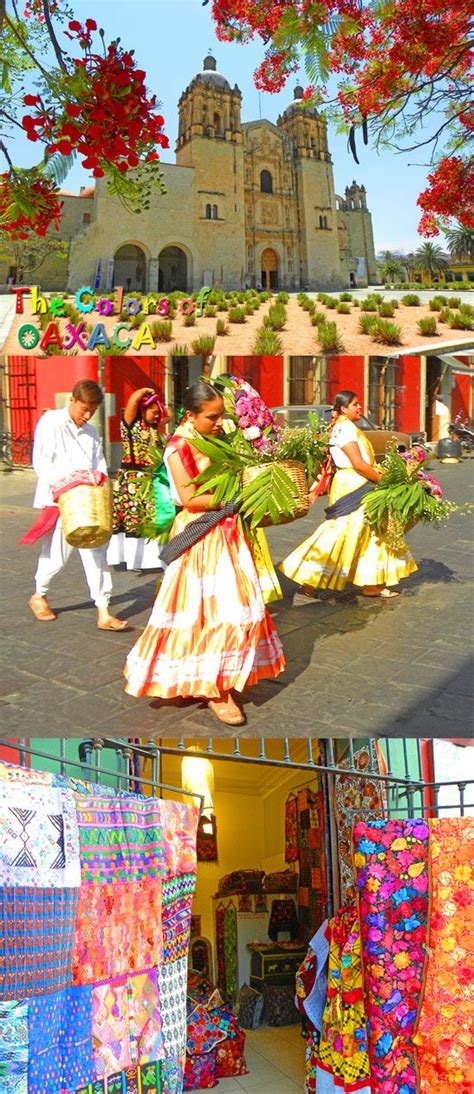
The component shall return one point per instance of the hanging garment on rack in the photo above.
(108, 995)
(283, 917)
(444, 1046)
(220, 949)
(392, 874)
(354, 799)
(343, 1057)
(230, 949)
(36, 940)
(39, 843)
(291, 828)
(312, 892)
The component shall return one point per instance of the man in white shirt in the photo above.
(66, 442)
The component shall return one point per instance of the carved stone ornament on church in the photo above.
(269, 214)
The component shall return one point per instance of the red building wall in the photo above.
(266, 374)
(462, 392)
(408, 405)
(346, 373)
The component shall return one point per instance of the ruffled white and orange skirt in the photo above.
(209, 630)
(346, 549)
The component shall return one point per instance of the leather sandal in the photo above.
(227, 717)
(41, 609)
(113, 624)
(384, 594)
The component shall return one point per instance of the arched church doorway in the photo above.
(269, 263)
(130, 268)
(173, 270)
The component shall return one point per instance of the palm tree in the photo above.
(461, 242)
(391, 267)
(431, 260)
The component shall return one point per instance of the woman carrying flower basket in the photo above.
(346, 547)
(209, 634)
(136, 538)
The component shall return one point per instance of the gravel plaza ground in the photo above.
(355, 667)
(299, 337)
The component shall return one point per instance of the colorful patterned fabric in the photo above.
(179, 826)
(60, 1047)
(312, 892)
(241, 881)
(354, 799)
(220, 951)
(230, 950)
(126, 1023)
(202, 1034)
(118, 930)
(36, 940)
(177, 897)
(25, 775)
(444, 1032)
(13, 1047)
(209, 630)
(130, 507)
(230, 1053)
(172, 985)
(200, 1071)
(343, 1047)
(391, 864)
(291, 829)
(38, 836)
(283, 918)
(145, 1079)
(206, 843)
(121, 839)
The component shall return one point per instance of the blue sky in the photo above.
(171, 38)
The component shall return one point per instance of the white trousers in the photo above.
(54, 554)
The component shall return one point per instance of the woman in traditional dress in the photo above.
(140, 427)
(345, 548)
(209, 634)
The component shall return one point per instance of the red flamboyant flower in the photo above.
(28, 189)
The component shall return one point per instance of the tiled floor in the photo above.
(275, 1059)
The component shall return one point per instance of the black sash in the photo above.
(195, 531)
(349, 503)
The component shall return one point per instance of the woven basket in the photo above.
(86, 515)
(296, 472)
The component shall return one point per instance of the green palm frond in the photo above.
(57, 166)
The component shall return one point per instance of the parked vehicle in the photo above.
(295, 416)
(462, 430)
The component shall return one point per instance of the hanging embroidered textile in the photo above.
(312, 892)
(343, 1049)
(291, 829)
(391, 866)
(93, 962)
(230, 950)
(38, 836)
(443, 1034)
(283, 917)
(36, 940)
(220, 950)
(207, 841)
(354, 799)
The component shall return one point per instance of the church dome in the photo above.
(209, 75)
(296, 103)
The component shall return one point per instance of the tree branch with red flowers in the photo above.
(88, 100)
(402, 72)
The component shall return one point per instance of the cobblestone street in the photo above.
(354, 667)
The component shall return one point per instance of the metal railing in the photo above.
(132, 765)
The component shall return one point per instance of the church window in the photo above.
(323, 222)
(208, 212)
(86, 218)
(214, 212)
(266, 182)
(217, 123)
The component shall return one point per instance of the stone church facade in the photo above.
(247, 205)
